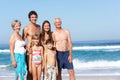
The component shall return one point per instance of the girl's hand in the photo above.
(14, 63)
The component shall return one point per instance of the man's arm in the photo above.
(70, 46)
(24, 33)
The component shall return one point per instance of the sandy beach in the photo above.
(80, 77)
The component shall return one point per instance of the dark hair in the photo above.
(31, 13)
(43, 31)
(50, 41)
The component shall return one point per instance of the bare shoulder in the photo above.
(12, 37)
(67, 31)
(26, 28)
(52, 33)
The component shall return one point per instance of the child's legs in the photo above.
(39, 71)
(49, 73)
(54, 74)
(34, 71)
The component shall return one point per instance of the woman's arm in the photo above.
(12, 45)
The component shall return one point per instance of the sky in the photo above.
(85, 19)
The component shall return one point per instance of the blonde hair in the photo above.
(14, 23)
(36, 36)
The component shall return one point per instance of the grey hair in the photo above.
(57, 18)
(14, 23)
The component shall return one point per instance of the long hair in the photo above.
(43, 31)
(36, 36)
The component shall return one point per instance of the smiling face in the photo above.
(57, 23)
(33, 18)
(46, 27)
(17, 27)
(49, 45)
(36, 42)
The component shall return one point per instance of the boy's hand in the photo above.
(46, 73)
(56, 72)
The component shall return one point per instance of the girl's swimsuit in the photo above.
(36, 57)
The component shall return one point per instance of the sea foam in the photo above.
(100, 64)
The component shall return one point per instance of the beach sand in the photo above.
(80, 77)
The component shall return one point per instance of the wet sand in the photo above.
(80, 77)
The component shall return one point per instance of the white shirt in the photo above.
(19, 47)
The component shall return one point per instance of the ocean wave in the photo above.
(102, 64)
(112, 48)
(4, 66)
(80, 65)
(105, 48)
(4, 50)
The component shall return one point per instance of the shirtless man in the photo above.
(63, 46)
(29, 30)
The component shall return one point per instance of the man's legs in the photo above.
(59, 77)
(29, 75)
(71, 74)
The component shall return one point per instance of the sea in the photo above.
(89, 57)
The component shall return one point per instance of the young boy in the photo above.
(51, 68)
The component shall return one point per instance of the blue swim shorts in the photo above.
(62, 58)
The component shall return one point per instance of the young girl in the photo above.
(36, 57)
(18, 51)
